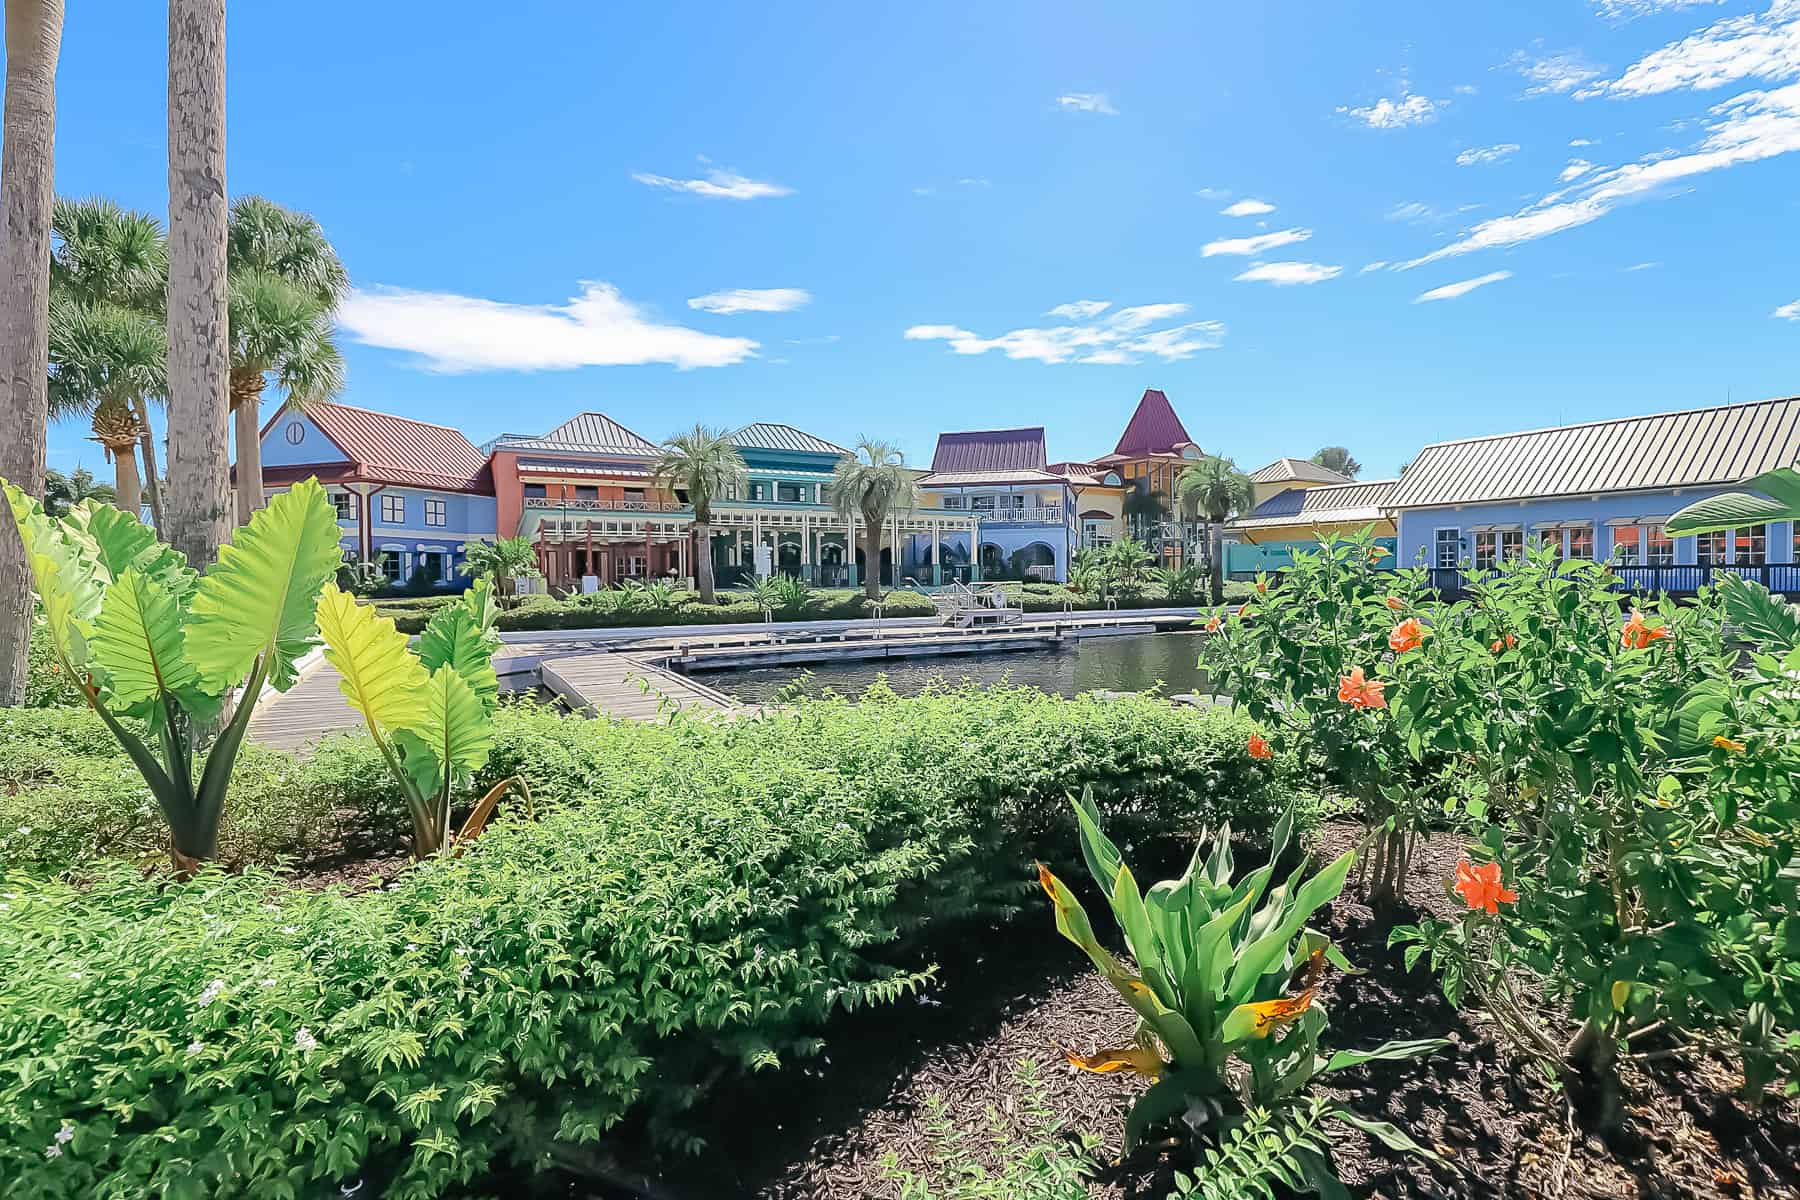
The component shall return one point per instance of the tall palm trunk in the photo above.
(198, 500)
(128, 492)
(872, 556)
(703, 561)
(1215, 553)
(27, 191)
(147, 447)
(246, 406)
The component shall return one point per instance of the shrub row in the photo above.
(694, 899)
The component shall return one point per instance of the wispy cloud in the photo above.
(1247, 208)
(1451, 291)
(451, 333)
(1255, 244)
(1122, 337)
(1087, 102)
(1556, 73)
(1213, 193)
(1755, 46)
(1395, 112)
(1643, 266)
(1579, 142)
(1575, 170)
(1288, 274)
(1625, 10)
(1483, 155)
(1749, 128)
(1788, 312)
(743, 300)
(718, 185)
(1374, 266)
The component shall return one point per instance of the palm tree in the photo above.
(706, 465)
(104, 360)
(27, 193)
(63, 492)
(1336, 458)
(504, 560)
(286, 282)
(1143, 508)
(198, 503)
(1216, 487)
(871, 482)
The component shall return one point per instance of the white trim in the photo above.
(396, 547)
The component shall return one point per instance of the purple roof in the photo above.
(990, 450)
(1154, 428)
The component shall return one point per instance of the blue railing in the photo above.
(1781, 578)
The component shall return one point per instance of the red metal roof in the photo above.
(384, 448)
(1153, 429)
(990, 450)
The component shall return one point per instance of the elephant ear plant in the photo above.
(430, 709)
(157, 650)
(1226, 971)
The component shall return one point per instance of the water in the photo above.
(1129, 663)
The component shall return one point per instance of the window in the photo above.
(1710, 549)
(759, 490)
(790, 493)
(1489, 549)
(1449, 549)
(1659, 547)
(434, 512)
(345, 503)
(295, 433)
(390, 565)
(1551, 539)
(981, 503)
(1751, 545)
(393, 509)
(1581, 542)
(587, 493)
(957, 503)
(1628, 545)
(1512, 543)
(633, 494)
(535, 491)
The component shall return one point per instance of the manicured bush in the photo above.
(695, 899)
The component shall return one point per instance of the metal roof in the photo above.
(1328, 505)
(933, 479)
(1692, 448)
(776, 436)
(1284, 469)
(591, 432)
(1153, 429)
(984, 450)
(384, 448)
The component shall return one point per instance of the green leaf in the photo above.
(1740, 508)
(119, 542)
(454, 726)
(1761, 616)
(1388, 1135)
(65, 583)
(1266, 951)
(382, 679)
(258, 599)
(1387, 1050)
(455, 638)
(137, 641)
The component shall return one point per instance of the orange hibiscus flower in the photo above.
(1396, 603)
(1480, 887)
(1505, 643)
(1729, 745)
(1262, 587)
(1214, 625)
(1259, 747)
(1407, 635)
(1360, 692)
(1636, 634)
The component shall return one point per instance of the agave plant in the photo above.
(429, 712)
(151, 641)
(1225, 970)
(791, 594)
(765, 593)
(1181, 583)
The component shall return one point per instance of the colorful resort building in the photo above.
(1297, 503)
(1150, 456)
(1022, 517)
(410, 496)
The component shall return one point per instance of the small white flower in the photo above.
(304, 1040)
(196, 1047)
(268, 983)
(465, 972)
(66, 1134)
(24, 829)
(290, 930)
(53, 1152)
(212, 992)
(74, 974)
(411, 946)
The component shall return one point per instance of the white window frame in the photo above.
(393, 508)
(1438, 544)
(1659, 547)
(442, 509)
(345, 505)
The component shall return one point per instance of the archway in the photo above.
(993, 561)
(1036, 561)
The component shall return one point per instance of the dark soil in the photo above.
(819, 1132)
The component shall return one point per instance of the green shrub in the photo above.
(47, 685)
(696, 899)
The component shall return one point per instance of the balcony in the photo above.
(1780, 578)
(1048, 515)
(633, 506)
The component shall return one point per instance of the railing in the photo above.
(1047, 515)
(660, 506)
(1782, 578)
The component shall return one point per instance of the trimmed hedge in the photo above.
(695, 899)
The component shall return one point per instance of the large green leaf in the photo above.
(1780, 502)
(65, 582)
(455, 638)
(119, 542)
(258, 599)
(1267, 951)
(137, 641)
(1344, 1059)
(1762, 616)
(382, 679)
(454, 732)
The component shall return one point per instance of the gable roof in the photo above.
(1154, 428)
(1327, 505)
(587, 432)
(1284, 469)
(1081, 474)
(990, 450)
(1691, 448)
(384, 448)
(776, 436)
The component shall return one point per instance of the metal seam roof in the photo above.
(775, 435)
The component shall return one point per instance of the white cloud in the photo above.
(718, 185)
(1256, 243)
(1080, 310)
(743, 300)
(1121, 338)
(1625, 10)
(1287, 274)
(1374, 266)
(1451, 291)
(1555, 73)
(1213, 193)
(1483, 155)
(1754, 46)
(1088, 102)
(1788, 312)
(1575, 170)
(1579, 142)
(1747, 128)
(1643, 266)
(1247, 208)
(1409, 108)
(599, 328)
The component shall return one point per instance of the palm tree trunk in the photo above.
(128, 494)
(872, 556)
(199, 500)
(1215, 551)
(147, 447)
(246, 406)
(703, 562)
(27, 191)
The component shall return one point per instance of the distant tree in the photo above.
(505, 560)
(63, 492)
(1336, 458)
(706, 465)
(870, 482)
(1143, 508)
(1218, 489)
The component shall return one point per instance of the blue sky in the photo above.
(554, 206)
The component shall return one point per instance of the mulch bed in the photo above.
(819, 1132)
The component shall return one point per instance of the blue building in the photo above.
(1024, 514)
(1602, 490)
(410, 496)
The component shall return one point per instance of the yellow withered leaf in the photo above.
(1136, 1059)
(1270, 1016)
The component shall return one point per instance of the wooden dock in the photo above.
(622, 685)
